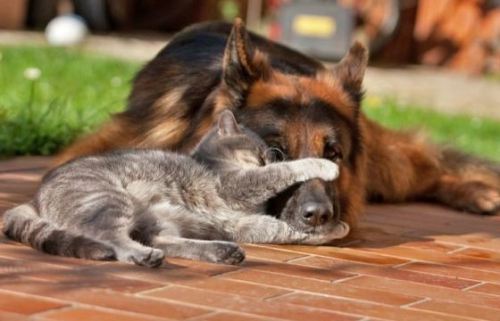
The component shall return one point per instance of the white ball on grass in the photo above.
(66, 30)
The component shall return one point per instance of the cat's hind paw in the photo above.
(228, 253)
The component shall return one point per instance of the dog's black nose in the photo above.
(316, 214)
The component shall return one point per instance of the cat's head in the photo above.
(229, 146)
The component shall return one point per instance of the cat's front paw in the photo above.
(310, 168)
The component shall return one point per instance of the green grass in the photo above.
(76, 92)
(475, 135)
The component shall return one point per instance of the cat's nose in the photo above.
(315, 213)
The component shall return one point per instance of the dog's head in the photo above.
(301, 116)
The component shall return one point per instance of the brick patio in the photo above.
(412, 262)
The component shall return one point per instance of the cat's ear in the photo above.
(242, 63)
(228, 124)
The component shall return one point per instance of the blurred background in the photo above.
(66, 65)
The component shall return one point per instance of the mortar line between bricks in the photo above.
(283, 273)
(201, 317)
(292, 291)
(272, 297)
(42, 313)
(346, 279)
(217, 309)
(362, 252)
(281, 249)
(397, 266)
(76, 304)
(208, 314)
(461, 248)
(292, 260)
(473, 286)
(35, 296)
(414, 303)
(449, 276)
(324, 309)
(468, 246)
(439, 313)
(153, 290)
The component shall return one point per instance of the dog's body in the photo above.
(299, 106)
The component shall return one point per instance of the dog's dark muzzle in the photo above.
(310, 204)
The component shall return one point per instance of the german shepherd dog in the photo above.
(302, 109)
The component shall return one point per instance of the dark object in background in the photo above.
(326, 28)
(12, 13)
(157, 15)
(321, 29)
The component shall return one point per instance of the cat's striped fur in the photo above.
(141, 205)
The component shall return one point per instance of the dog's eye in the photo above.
(275, 154)
(333, 151)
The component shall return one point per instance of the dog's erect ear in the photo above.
(351, 69)
(240, 64)
(228, 124)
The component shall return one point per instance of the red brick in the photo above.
(234, 287)
(457, 272)
(79, 280)
(487, 288)
(465, 310)
(479, 239)
(300, 271)
(429, 245)
(246, 305)
(8, 316)
(363, 309)
(25, 163)
(347, 254)
(125, 302)
(481, 254)
(26, 305)
(386, 272)
(269, 253)
(88, 314)
(422, 290)
(74, 292)
(10, 268)
(22, 252)
(429, 218)
(428, 256)
(163, 275)
(224, 316)
(322, 287)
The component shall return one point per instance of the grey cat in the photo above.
(141, 205)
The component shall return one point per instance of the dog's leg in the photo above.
(403, 167)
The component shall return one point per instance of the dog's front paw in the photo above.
(480, 199)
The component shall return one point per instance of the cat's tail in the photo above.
(23, 224)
